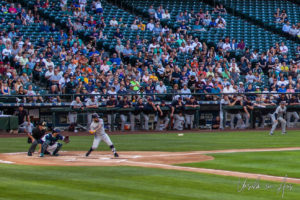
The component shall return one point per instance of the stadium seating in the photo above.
(267, 9)
(254, 36)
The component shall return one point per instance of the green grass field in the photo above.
(272, 163)
(40, 182)
(171, 142)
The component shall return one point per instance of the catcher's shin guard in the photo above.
(59, 145)
(44, 146)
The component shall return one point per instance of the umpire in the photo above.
(37, 133)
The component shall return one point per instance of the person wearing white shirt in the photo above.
(82, 3)
(234, 65)
(105, 67)
(189, 46)
(185, 90)
(49, 73)
(6, 53)
(293, 30)
(196, 43)
(220, 18)
(62, 82)
(166, 15)
(228, 89)
(63, 4)
(48, 63)
(283, 48)
(6, 39)
(160, 69)
(226, 46)
(153, 45)
(134, 26)
(150, 25)
(113, 22)
(165, 29)
(161, 88)
(98, 7)
(250, 77)
(91, 103)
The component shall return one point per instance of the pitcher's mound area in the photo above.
(97, 158)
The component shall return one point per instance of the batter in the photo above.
(97, 128)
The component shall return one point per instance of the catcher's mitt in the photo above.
(92, 132)
(67, 139)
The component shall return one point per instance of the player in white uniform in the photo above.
(97, 127)
(279, 115)
(91, 103)
(76, 104)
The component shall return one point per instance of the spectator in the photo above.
(241, 45)
(283, 48)
(113, 22)
(180, 18)
(150, 25)
(98, 7)
(12, 9)
(151, 11)
(166, 15)
(44, 27)
(286, 27)
(118, 34)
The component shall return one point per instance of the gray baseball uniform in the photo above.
(279, 115)
(89, 115)
(99, 134)
(73, 114)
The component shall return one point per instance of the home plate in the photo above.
(104, 158)
(71, 160)
(6, 162)
(137, 156)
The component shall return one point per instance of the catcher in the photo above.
(50, 143)
(97, 128)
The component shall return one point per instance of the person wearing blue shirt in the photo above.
(215, 89)
(115, 59)
(213, 23)
(62, 36)
(180, 17)
(118, 35)
(94, 51)
(286, 27)
(282, 89)
(90, 86)
(44, 27)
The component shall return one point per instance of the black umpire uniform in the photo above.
(37, 134)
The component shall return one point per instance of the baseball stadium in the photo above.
(150, 99)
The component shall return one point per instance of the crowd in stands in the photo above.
(142, 66)
(281, 17)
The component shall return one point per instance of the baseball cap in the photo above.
(56, 130)
(282, 102)
(40, 124)
(95, 115)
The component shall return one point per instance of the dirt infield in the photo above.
(163, 160)
(97, 158)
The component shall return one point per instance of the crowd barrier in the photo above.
(56, 113)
